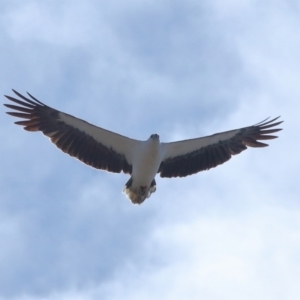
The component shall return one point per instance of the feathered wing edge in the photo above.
(188, 157)
(92, 145)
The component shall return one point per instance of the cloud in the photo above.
(178, 69)
(256, 251)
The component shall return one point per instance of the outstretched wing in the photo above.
(188, 157)
(95, 146)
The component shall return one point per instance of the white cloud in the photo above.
(50, 23)
(178, 69)
(247, 255)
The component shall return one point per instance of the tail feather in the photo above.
(138, 195)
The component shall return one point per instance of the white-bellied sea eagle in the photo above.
(142, 160)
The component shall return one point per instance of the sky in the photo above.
(182, 69)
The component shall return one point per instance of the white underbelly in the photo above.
(146, 165)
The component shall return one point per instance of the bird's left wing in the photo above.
(95, 146)
(188, 157)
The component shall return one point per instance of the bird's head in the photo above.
(154, 136)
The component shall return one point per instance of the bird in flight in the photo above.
(142, 160)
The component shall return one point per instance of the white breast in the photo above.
(148, 156)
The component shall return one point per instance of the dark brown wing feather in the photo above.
(215, 154)
(40, 117)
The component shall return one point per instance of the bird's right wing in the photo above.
(95, 146)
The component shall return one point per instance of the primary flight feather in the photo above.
(106, 150)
